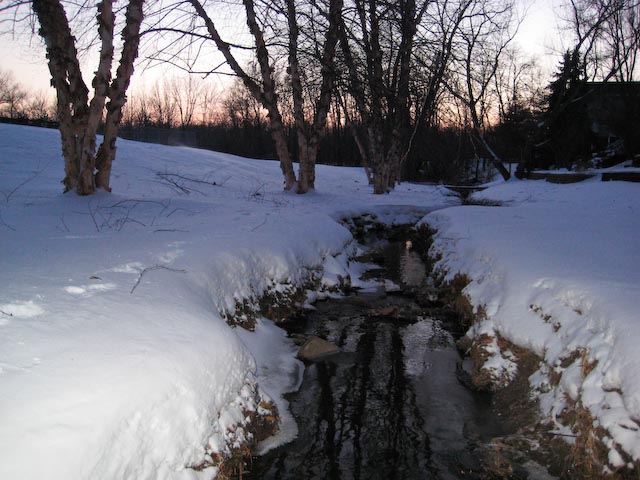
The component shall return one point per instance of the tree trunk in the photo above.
(276, 127)
(106, 20)
(265, 93)
(362, 149)
(477, 129)
(117, 94)
(495, 159)
(79, 119)
(66, 79)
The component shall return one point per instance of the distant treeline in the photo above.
(438, 154)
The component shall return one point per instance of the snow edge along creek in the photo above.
(554, 271)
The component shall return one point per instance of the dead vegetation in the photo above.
(279, 302)
(259, 425)
(584, 453)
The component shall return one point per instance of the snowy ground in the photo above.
(114, 359)
(557, 269)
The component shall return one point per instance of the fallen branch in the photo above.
(155, 267)
(195, 180)
(7, 196)
(5, 224)
(266, 217)
(178, 181)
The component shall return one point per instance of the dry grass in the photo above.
(232, 466)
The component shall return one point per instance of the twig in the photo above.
(64, 224)
(170, 230)
(190, 212)
(93, 216)
(5, 224)
(194, 180)
(5, 313)
(561, 434)
(155, 267)
(123, 221)
(136, 200)
(266, 217)
(177, 181)
(7, 196)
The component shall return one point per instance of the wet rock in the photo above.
(316, 347)
(357, 301)
(391, 287)
(496, 462)
(463, 376)
(298, 338)
(388, 311)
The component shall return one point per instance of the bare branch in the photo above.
(155, 267)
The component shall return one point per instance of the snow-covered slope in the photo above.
(114, 360)
(557, 269)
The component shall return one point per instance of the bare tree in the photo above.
(484, 37)
(377, 40)
(162, 104)
(12, 95)
(275, 40)
(241, 108)
(62, 26)
(185, 92)
(605, 37)
(208, 104)
(38, 106)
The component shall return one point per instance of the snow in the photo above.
(557, 270)
(115, 360)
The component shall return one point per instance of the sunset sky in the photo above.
(538, 36)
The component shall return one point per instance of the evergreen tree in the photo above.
(567, 135)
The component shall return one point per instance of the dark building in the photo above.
(597, 119)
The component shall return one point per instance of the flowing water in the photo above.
(390, 404)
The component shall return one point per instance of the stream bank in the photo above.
(398, 400)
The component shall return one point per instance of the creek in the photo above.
(391, 404)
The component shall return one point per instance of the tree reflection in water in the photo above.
(389, 406)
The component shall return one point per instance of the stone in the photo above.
(316, 347)
(389, 311)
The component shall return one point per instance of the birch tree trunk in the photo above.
(265, 93)
(117, 94)
(80, 118)
(308, 135)
(380, 87)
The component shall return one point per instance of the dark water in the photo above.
(389, 405)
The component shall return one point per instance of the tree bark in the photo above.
(117, 93)
(79, 119)
(265, 94)
(308, 136)
(298, 100)
(381, 91)
(106, 20)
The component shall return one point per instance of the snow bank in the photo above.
(114, 359)
(557, 269)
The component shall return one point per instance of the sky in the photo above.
(24, 55)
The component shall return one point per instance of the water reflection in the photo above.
(412, 269)
(389, 406)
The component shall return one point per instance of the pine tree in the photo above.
(566, 125)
